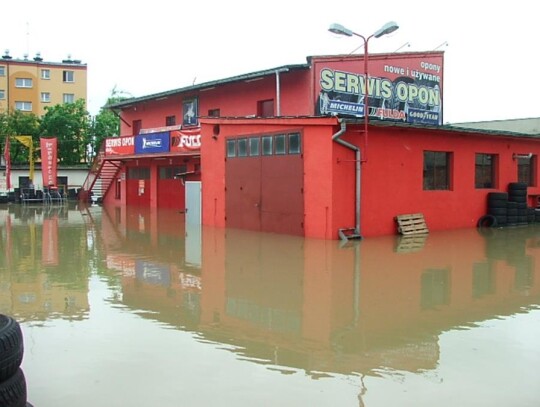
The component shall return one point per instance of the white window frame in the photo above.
(23, 83)
(2, 70)
(68, 98)
(68, 76)
(46, 97)
(2, 94)
(23, 106)
(46, 74)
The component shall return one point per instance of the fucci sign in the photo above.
(400, 87)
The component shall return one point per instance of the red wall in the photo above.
(391, 171)
(391, 174)
(320, 216)
(162, 193)
(392, 177)
(295, 97)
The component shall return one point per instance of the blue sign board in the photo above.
(152, 143)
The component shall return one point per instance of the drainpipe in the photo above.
(346, 234)
(278, 90)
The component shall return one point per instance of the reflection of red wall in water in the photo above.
(389, 297)
(397, 289)
(177, 303)
(378, 295)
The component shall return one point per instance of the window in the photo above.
(23, 82)
(242, 147)
(267, 145)
(171, 172)
(213, 113)
(138, 173)
(68, 76)
(69, 98)
(45, 97)
(484, 171)
(254, 146)
(265, 108)
(170, 120)
(280, 144)
(23, 106)
(294, 143)
(436, 170)
(526, 169)
(231, 148)
(2, 70)
(2, 94)
(45, 74)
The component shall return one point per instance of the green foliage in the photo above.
(70, 124)
(21, 124)
(79, 135)
(106, 123)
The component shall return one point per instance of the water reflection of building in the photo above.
(318, 306)
(42, 272)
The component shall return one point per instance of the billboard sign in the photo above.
(403, 87)
(152, 143)
(186, 141)
(120, 145)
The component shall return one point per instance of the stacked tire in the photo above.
(517, 192)
(498, 207)
(12, 380)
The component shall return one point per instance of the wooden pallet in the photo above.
(413, 224)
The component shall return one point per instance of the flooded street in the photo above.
(131, 307)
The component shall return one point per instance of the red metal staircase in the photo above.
(99, 179)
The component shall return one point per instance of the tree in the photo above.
(70, 124)
(106, 123)
(17, 123)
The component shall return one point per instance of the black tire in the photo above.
(497, 211)
(497, 199)
(13, 391)
(11, 347)
(517, 193)
(516, 186)
(487, 221)
(511, 220)
(492, 203)
(497, 196)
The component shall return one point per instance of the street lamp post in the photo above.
(388, 28)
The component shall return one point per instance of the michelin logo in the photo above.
(151, 143)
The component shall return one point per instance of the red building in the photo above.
(287, 150)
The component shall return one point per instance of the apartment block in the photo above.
(30, 85)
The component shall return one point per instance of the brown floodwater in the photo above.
(132, 307)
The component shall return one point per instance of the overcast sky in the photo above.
(141, 48)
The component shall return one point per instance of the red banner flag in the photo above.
(7, 159)
(49, 157)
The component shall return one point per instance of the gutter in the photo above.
(354, 232)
